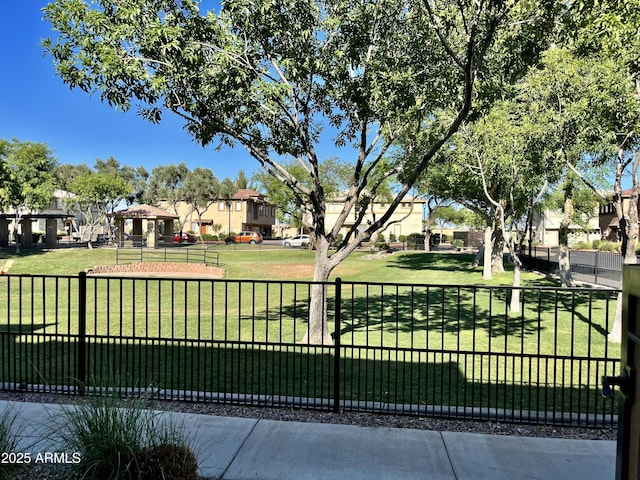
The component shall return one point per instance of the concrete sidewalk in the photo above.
(241, 449)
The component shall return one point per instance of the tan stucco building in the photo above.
(407, 218)
(246, 210)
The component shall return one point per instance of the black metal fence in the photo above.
(425, 350)
(173, 254)
(593, 266)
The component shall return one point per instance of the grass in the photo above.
(116, 441)
(472, 337)
(8, 444)
(287, 264)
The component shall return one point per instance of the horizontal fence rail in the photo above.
(174, 254)
(424, 350)
(591, 266)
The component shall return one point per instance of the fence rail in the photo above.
(173, 254)
(602, 268)
(427, 350)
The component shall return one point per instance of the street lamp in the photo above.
(229, 209)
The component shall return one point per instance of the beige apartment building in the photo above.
(407, 218)
(246, 210)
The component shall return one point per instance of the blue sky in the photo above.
(36, 106)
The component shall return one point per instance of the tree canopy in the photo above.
(279, 77)
(27, 178)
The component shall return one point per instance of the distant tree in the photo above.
(137, 177)
(241, 180)
(201, 190)
(435, 206)
(66, 173)
(227, 189)
(28, 179)
(95, 196)
(166, 185)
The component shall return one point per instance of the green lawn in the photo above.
(287, 264)
(477, 349)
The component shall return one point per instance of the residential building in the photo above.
(406, 219)
(246, 210)
(49, 220)
(546, 228)
(609, 222)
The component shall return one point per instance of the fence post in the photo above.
(81, 346)
(336, 346)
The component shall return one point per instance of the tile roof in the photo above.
(144, 211)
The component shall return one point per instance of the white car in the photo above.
(297, 241)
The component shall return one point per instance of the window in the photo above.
(221, 206)
(238, 206)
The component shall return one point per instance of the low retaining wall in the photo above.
(158, 268)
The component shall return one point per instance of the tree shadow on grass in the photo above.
(285, 375)
(401, 313)
(432, 261)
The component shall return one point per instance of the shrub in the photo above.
(168, 462)
(207, 237)
(607, 246)
(581, 246)
(457, 243)
(123, 442)
(8, 444)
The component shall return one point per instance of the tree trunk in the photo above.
(564, 263)
(632, 227)
(517, 269)
(629, 232)
(566, 279)
(373, 241)
(497, 256)
(479, 257)
(318, 328)
(486, 268)
(427, 241)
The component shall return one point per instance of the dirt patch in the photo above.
(300, 271)
(382, 254)
(291, 270)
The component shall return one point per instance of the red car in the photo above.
(186, 237)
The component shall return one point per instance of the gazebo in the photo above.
(159, 225)
(26, 220)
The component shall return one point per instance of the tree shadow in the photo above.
(441, 384)
(432, 261)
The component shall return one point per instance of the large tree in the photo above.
(281, 77)
(585, 100)
(28, 180)
(608, 29)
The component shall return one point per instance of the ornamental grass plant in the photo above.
(8, 444)
(119, 440)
